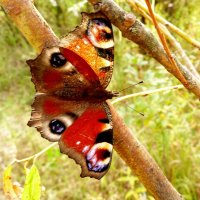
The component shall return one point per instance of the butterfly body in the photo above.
(70, 104)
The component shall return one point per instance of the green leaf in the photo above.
(32, 189)
(7, 184)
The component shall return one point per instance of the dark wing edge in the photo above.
(96, 154)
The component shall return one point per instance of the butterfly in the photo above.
(70, 103)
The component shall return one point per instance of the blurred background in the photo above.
(170, 128)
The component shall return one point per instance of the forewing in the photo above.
(83, 60)
(53, 74)
(93, 42)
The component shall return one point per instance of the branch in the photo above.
(171, 26)
(140, 161)
(173, 42)
(128, 147)
(135, 31)
(164, 43)
(31, 24)
(145, 93)
(35, 156)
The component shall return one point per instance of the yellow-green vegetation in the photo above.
(170, 129)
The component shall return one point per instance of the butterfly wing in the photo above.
(83, 129)
(93, 42)
(70, 80)
(48, 110)
(53, 74)
(83, 59)
(89, 141)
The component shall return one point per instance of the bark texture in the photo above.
(135, 31)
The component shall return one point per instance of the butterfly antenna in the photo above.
(131, 86)
(142, 114)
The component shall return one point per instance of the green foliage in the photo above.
(169, 129)
(7, 184)
(32, 189)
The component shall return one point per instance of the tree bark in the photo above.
(135, 31)
(31, 24)
(140, 161)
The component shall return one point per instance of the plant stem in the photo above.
(144, 12)
(145, 93)
(35, 156)
(171, 26)
(135, 31)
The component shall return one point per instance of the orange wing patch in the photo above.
(93, 42)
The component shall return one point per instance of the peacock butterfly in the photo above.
(70, 104)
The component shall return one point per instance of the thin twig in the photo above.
(135, 31)
(35, 156)
(174, 43)
(145, 93)
(171, 26)
(144, 12)
(164, 43)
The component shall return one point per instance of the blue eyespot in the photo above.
(57, 127)
(57, 60)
